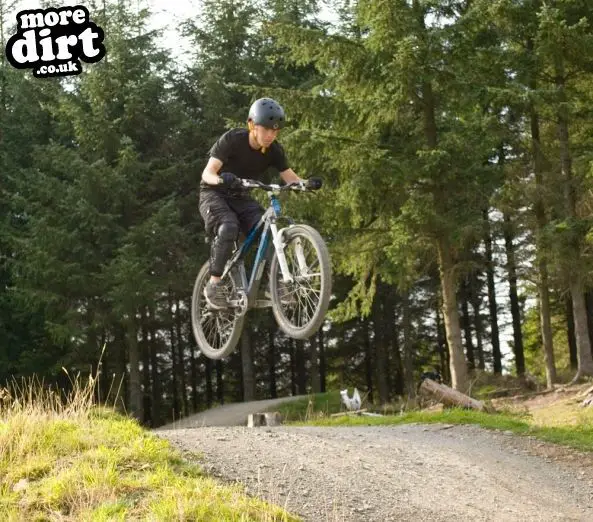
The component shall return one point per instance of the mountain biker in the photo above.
(227, 208)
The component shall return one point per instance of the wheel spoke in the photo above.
(216, 326)
(300, 301)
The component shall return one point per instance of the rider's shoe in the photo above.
(215, 296)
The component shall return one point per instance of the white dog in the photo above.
(352, 404)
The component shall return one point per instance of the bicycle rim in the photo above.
(300, 307)
(217, 332)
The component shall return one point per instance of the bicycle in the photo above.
(299, 280)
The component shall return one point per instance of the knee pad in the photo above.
(222, 247)
(227, 231)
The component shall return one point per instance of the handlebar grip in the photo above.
(314, 183)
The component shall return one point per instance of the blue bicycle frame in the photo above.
(236, 266)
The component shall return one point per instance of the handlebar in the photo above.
(295, 186)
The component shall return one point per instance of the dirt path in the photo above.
(234, 414)
(397, 473)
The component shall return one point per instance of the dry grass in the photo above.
(64, 458)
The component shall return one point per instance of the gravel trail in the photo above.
(232, 414)
(397, 473)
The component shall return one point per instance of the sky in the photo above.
(167, 15)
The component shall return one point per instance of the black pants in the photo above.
(236, 213)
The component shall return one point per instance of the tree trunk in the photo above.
(398, 382)
(208, 363)
(570, 334)
(147, 419)
(301, 368)
(541, 220)
(441, 341)
(195, 366)
(466, 325)
(104, 371)
(589, 303)
(314, 369)
(174, 366)
(577, 287)
(322, 362)
(181, 357)
(293, 365)
(476, 302)
(479, 334)
(457, 365)
(195, 398)
(272, 362)
(546, 322)
(247, 367)
(492, 306)
(135, 389)
(219, 381)
(381, 366)
(514, 298)
(121, 392)
(579, 308)
(157, 395)
(408, 346)
(368, 361)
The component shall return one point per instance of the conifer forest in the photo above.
(455, 142)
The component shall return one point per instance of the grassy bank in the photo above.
(563, 422)
(76, 462)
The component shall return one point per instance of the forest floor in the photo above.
(443, 469)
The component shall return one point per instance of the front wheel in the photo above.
(217, 332)
(299, 307)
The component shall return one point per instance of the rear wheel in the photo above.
(300, 307)
(217, 332)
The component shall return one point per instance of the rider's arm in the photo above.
(289, 176)
(210, 174)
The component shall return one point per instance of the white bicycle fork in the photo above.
(279, 244)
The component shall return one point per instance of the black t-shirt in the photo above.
(237, 156)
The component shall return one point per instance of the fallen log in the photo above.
(363, 413)
(586, 393)
(450, 397)
(345, 413)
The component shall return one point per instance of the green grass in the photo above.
(316, 411)
(318, 405)
(78, 462)
(578, 436)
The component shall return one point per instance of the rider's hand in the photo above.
(314, 183)
(229, 179)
